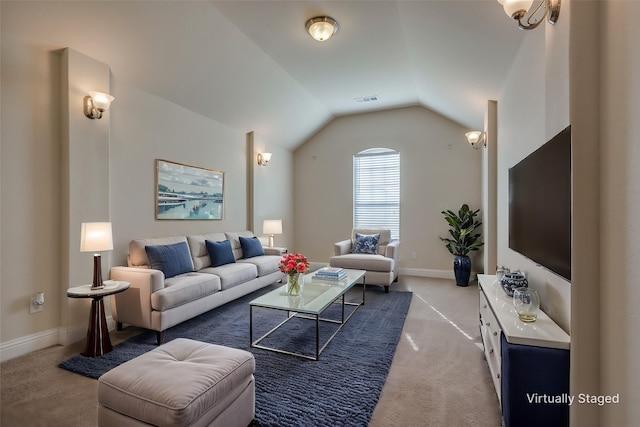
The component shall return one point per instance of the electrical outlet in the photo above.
(35, 308)
(413, 255)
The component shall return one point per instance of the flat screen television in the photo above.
(540, 205)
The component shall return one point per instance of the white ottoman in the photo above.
(181, 383)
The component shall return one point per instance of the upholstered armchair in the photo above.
(371, 250)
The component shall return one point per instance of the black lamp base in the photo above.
(97, 273)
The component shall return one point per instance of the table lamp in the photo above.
(271, 227)
(96, 237)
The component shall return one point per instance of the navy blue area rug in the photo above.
(340, 389)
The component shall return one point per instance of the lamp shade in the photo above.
(272, 226)
(473, 137)
(96, 237)
(101, 100)
(516, 7)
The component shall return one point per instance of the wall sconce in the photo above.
(96, 103)
(263, 158)
(518, 9)
(321, 28)
(477, 138)
(271, 227)
(96, 237)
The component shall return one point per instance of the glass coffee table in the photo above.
(316, 295)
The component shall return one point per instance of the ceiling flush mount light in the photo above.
(519, 9)
(263, 158)
(321, 28)
(96, 103)
(476, 138)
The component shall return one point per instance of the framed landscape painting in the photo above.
(188, 192)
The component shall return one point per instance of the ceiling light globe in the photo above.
(321, 28)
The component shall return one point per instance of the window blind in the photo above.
(376, 190)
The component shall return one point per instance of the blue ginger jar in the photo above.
(511, 281)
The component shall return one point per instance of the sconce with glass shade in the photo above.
(96, 237)
(322, 28)
(96, 103)
(263, 158)
(271, 227)
(476, 138)
(519, 9)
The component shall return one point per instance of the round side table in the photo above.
(98, 341)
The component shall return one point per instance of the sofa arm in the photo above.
(393, 250)
(342, 247)
(133, 306)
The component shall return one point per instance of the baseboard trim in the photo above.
(424, 272)
(56, 336)
(23, 345)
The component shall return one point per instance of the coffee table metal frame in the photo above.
(338, 291)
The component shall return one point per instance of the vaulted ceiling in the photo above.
(252, 66)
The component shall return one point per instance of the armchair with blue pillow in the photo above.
(371, 250)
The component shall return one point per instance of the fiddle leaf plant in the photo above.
(461, 239)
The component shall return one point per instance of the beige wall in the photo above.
(619, 207)
(40, 222)
(439, 170)
(591, 52)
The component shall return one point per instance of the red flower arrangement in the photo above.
(293, 263)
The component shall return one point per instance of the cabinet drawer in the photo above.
(491, 333)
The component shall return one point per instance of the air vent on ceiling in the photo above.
(366, 98)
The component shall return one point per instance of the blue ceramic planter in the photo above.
(462, 269)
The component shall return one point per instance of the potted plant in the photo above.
(462, 240)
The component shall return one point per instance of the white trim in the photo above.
(24, 345)
(423, 272)
(436, 274)
(56, 336)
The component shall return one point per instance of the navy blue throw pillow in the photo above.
(170, 259)
(251, 246)
(366, 243)
(220, 252)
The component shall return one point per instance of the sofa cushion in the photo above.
(198, 248)
(251, 247)
(184, 288)
(366, 243)
(233, 274)
(266, 264)
(362, 262)
(220, 252)
(171, 259)
(138, 255)
(385, 236)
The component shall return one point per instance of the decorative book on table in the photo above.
(331, 273)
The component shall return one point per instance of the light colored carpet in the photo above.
(438, 376)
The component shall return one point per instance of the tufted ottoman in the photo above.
(181, 383)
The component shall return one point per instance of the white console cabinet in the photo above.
(526, 360)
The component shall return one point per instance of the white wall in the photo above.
(439, 170)
(522, 128)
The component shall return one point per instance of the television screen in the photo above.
(540, 205)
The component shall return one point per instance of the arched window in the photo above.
(376, 190)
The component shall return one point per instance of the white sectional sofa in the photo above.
(182, 280)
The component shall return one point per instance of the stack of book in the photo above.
(331, 273)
